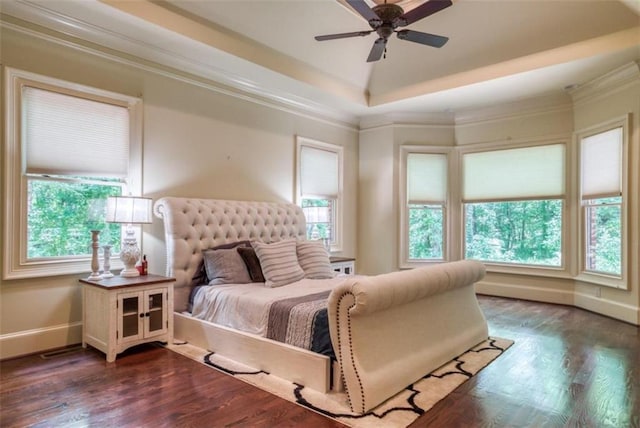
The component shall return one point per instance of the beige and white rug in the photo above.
(399, 411)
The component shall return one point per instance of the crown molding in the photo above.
(40, 22)
(413, 120)
(526, 108)
(616, 79)
(545, 104)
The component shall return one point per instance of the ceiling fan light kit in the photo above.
(385, 18)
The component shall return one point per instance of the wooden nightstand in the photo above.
(118, 313)
(344, 265)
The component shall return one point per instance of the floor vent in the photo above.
(60, 352)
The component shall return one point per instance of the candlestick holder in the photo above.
(95, 264)
(106, 272)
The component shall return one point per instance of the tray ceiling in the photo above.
(498, 50)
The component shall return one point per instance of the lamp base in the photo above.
(129, 272)
(130, 254)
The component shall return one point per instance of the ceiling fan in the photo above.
(385, 18)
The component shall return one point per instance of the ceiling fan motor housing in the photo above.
(389, 14)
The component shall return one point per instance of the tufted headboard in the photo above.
(194, 225)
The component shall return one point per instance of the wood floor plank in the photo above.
(568, 367)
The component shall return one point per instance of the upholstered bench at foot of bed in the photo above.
(389, 330)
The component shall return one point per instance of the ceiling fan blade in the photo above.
(367, 13)
(422, 38)
(422, 11)
(377, 50)
(343, 35)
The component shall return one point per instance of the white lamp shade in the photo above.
(128, 209)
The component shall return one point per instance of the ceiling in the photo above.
(499, 51)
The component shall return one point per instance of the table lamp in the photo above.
(129, 210)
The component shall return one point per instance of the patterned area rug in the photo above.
(399, 411)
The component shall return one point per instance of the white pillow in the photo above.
(314, 260)
(279, 262)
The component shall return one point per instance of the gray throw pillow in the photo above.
(225, 266)
(200, 276)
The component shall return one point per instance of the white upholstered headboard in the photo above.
(194, 225)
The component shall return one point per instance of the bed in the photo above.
(385, 331)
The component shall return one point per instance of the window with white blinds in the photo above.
(319, 189)
(601, 192)
(319, 173)
(69, 135)
(423, 221)
(536, 172)
(601, 164)
(426, 178)
(513, 205)
(69, 148)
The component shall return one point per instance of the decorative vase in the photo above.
(95, 264)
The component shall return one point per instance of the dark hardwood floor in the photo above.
(567, 368)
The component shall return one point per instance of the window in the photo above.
(69, 147)
(425, 210)
(319, 184)
(601, 172)
(513, 205)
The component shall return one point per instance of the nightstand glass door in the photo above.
(129, 320)
(155, 312)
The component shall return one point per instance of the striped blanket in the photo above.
(301, 321)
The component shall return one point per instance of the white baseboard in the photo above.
(41, 339)
(599, 305)
(525, 292)
(619, 311)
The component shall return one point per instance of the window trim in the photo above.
(337, 244)
(15, 262)
(600, 278)
(448, 244)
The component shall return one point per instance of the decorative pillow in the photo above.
(279, 262)
(225, 266)
(250, 258)
(201, 273)
(314, 260)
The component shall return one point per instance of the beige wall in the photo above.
(553, 119)
(593, 111)
(378, 230)
(197, 142)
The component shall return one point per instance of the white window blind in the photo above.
(526, 173)
(601, 166)
(319, 171)
(68, 135)
(426, 178)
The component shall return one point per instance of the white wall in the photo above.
(197, 142)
